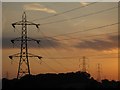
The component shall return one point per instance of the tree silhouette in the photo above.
(70, 80)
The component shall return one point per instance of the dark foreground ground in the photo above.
(0, 84)
(78, 80)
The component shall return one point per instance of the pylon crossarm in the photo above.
(14, 55)
(29, 55)
(27, 23)
(31, 39)
(16, 39)
(32, 55)
(31, 23)
(28, 39)
(16, 23)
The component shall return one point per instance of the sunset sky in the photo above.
(90, 31)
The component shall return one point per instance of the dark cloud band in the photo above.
(44, 43)
(97, 44)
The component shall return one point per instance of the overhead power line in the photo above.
(98, 12)
(64, 12)
(49, 67)
(108, 25)
(56, 60)
(85, 36)
(71, 57)
(55, 50)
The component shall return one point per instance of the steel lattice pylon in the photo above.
(99, 72)
(84, 64)
(24, 67)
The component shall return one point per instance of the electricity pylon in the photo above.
(99, 72)
(84, 64)
(24, 67)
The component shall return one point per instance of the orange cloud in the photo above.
(84, 3)
(111, 51)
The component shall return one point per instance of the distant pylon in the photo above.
(24, 67)
(99, 72)
(84, 64)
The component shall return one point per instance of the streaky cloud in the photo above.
(38, 7)
(97, 44)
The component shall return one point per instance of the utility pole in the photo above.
(24, 67)
(99, 72)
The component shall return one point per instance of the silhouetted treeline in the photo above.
(71, 80)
